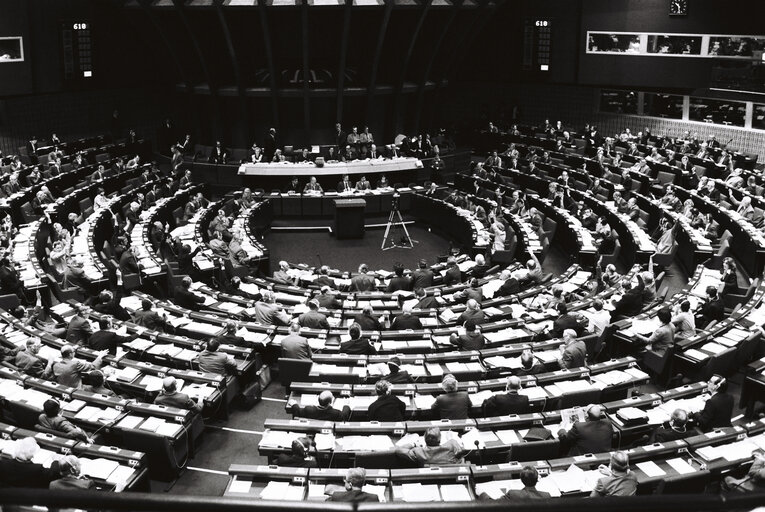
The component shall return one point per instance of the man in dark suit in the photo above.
(269, 145)
(185, 298)
(718, 409)
(19, 470)
(591, 436)
(676, 429)
(70, 476)
(32, 147)
(354, 482)
(508, 403)
(149, 318)
(397, 375)
(169, 396)
(357, 345)
(471, 340)
(345, 185)
(406, 320)
(79, 330)
(529, 477)
(425, 301)
(565, 321)
(631, 302)
(422, 277)
(324, 411)
(713, 309)
(363, 282)
(452, 404)
(367, 321)
(387, 407)
(453, 273)
(328, 300)
(218, 155)
(341, 138)
(128, 262)
(106, 338)
(399, 282)
(324, 279)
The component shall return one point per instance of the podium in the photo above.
(349, 218)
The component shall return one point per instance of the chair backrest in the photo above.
(293, 370)
(692, 483)
(534, 450)
(580, 398)
(666, 177)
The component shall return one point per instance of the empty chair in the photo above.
(534, 450)
(579, 398)
(293, 370)
(614, 256)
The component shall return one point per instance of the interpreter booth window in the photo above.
(11, 49)
(674, 45)
(717, 111)
(758, 117)
(735, 46)
(602, 42)
(618, 101)
(668, 106)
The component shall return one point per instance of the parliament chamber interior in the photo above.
(437, 253)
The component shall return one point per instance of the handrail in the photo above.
(185, 503)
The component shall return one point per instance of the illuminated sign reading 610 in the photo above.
(80, 26)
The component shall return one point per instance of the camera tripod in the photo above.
(396, 234)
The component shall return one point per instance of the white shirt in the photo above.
(598, 321)
(100, 201)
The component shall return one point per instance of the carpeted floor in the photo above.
(319, 247)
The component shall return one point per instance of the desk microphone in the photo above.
(321, 264)
(480, 452)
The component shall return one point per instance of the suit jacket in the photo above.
(357, 347)
(717, 412)
(295, 346)
(317, 413)
(367, 322)
(452, 406)
(453, 276)
(422, 278)
(79, 330)
(69, 483)
(363, 283)
(399, 283)
(107, 340)
(588, 437)
(187, 299)
(353, 496)
(14, 473)
(574, 355)
(665, 435)
(405, 321)
(387, 408)
(177, 400)
(149, 319)
(527, 493)
(713, 310)
(128, 263)
(504, 404)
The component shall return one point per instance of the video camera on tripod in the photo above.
(394, 201)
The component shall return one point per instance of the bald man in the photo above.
(591, 436)
(573, 351)
(324, 411)
(510, 402)
(170, 397)
(406, 320)
(473, 312)
(675, 430)
(617, 479)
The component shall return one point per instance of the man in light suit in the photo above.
(295, 346)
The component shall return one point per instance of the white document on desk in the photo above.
(242, 486)
(650, 468)
(681, 466)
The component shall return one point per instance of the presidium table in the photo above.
(357, 167)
